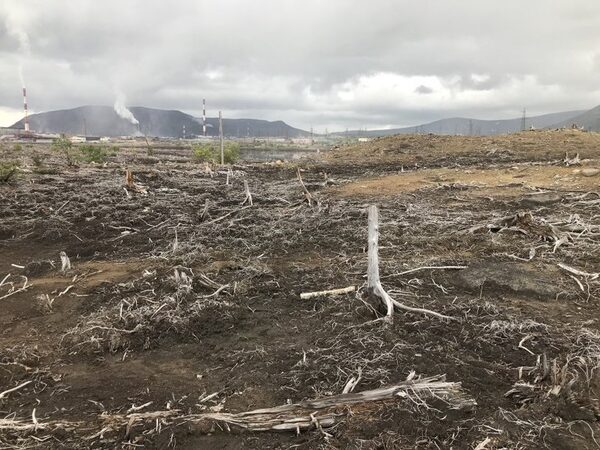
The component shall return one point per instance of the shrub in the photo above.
(65, 147)
(17, 147)
(211, 152)
(7, 170)
(38, 160)
(203, 152)
(93, 153)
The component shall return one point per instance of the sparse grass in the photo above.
(8, 169)
(38, 160)
(212, 152)
(65, 148)
(95, 153)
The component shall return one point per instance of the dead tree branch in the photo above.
(307, 195)
(308, 295)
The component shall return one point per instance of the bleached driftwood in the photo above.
(16, 388)
(65, 262)
(205, 210)
(248, 194)
(307, 195)
(373, 281)
(572, 161)
(14, 291)
(307, 295)
(591, 276)
(306, 415)
(318, 413)
(416, 269)
(327, 411)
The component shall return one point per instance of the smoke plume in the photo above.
(122, 110)
(21, 77)
(15, 24)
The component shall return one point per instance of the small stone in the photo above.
(590, 172)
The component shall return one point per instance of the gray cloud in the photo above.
(335, 64)
(422, 89)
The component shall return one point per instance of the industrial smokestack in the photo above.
(204, 117)
(25, 107)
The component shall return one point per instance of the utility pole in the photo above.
(204, 117)
(221, 137)
(524, 120)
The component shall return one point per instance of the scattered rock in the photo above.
(508, 278)
(535, 201)
(590, 172)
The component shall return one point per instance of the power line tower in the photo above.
(524, 120)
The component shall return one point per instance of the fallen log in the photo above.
(306, 415)
(323, 412)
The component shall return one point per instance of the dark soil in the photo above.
(127, 333)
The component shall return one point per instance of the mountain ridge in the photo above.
(100, 120)
(477, 127)
(589, 120)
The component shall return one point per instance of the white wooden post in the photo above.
(221, 137)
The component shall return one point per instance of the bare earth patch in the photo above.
(515, 179)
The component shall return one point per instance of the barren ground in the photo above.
(121, 354)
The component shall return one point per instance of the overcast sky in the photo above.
(326, 63)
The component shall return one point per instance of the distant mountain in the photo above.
(104, 121)
(473, 127)
(589, 120)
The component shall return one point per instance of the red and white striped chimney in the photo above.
(25, 107)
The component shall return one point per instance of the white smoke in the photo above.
(22, 78)
(122, 110)
(15, 22)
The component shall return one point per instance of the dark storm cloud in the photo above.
(422, 89)
(330, 64)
